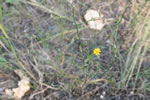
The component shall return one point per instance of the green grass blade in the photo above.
(1, 18)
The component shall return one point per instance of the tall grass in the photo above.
(9, 44)
(1, 11)
(137, 50)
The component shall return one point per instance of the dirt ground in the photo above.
(51, 42)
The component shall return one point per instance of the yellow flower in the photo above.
(97, 51)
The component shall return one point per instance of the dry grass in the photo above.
(51, 42)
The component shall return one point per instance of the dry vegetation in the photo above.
(50, 41)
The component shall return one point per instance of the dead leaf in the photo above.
(94, 20)
(9, 92)
(23, 86)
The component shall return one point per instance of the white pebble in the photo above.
(103, 92)
(132, 92)
(102, 97)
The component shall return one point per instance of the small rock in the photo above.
(104, 93)
(102, 97)
(132, 92)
